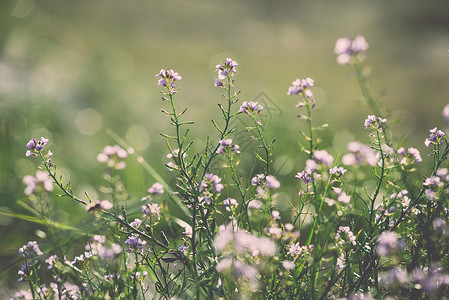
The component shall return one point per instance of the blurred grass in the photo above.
(69, 70)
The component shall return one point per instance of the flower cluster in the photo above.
(30, 250)
(168, 78)
(435, 138)
(301, 86)
(151, 209)
(113, 156)
(412, 156)
(345, 235)
(226, 145)
(296, 250)
(250, 107)
(42, 179)
(135, 243)
(346, 48)
(156, 189)
(230, 203)
(98, 205)
(225, 70)
(360, 154)
(388, 243)
(36, 146)
(374, 122)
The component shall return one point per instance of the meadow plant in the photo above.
(217, 233)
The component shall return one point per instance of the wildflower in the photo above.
(23, 272)
(213, 181)
(345, 48)
(36, 146)
(30, 250)
(396, 277)
(97, 205)
(360, 154)
(183, 247)
(304, 176)
(136, 223)
(226, 144)
(175, 154)
(256, 204)
(156, 189)
(168, 78)
(435, 137)
(387, 243)
(443, 173)
(256, 180)
(275, 215)
(112, 156)
(349, 236)
(272, 183)
(141, 276)
(288, 265)
(242, 241)
(225, 70)
(135, 243)
(337, 171)
(344, 198)
(301, 86)
(51, 261)
(323, 157)
(151, 209)
(230, 202)
(223, 265)
(374, 122)
(412, 155)
(42, 179)
(297, 250)
(251, 107)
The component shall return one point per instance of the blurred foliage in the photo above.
(71, 70)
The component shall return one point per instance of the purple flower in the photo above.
(360, 154)
(183, 247)
(412, 155)
(156, 189)
(135, 243)
(387, 243)
(304, 176)
(42, 179)
(113, 156)
(151, 209)
(35, 146)
(374, 122)
(257, 179)
(435, 137)
(338, 171)
(30, 250)
(346, 48)
(229, 203)
(226, 144)
(23, 272)
(97, 205)
(168, 79)
(251, 107)
(51, 261)
(323, 157)
(225, 70)
(136, 223)
(301, 86)
(272, 183)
